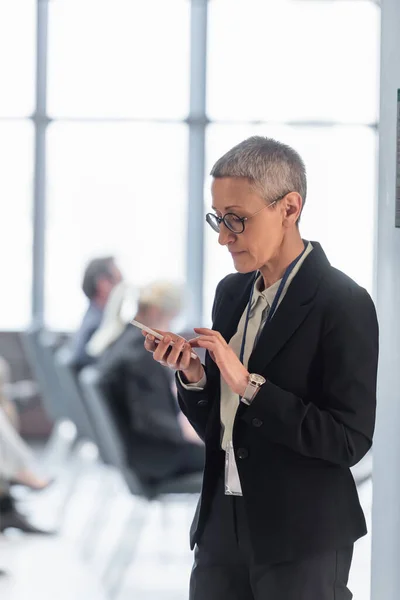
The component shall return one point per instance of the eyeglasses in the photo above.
(233, 222)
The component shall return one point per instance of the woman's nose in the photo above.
(225, 235)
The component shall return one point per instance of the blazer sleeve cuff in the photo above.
(193, 387)
(270, 405)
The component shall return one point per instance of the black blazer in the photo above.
(311, 421)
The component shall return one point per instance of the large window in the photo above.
(16, 153)
(117, 149)
(113, 188)
(17, 73)
(124, 131)
(17, 58)
(293, 60)
(122, 58)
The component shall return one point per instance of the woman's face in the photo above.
(263, 233)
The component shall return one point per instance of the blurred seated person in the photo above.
(16, 458)
(121, 305)
(100, 277)
(6, 404)
(160, 443)
(16, 461)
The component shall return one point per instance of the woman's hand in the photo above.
(232, 370)
(176, 357)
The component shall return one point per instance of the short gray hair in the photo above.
(274, 169)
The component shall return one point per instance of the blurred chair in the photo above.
(112, 450)
(73, 394)
(49, 344)
(59, 456)
(52, 400)
(64, 431)
(85, 453)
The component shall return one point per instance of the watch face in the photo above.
(257, 379)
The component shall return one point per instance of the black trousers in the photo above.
(224, 568)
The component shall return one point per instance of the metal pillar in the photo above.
(386, 473)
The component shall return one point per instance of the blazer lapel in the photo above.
(294, 308)
(232, 307)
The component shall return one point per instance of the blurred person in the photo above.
(100, 277)
(6, 403)
(160, 443)
(286, 399)
(16, 458)
(3, 573)
(16, 461)
(121, 305)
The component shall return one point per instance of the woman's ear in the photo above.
(293, 206)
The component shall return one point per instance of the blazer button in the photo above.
(257, 422)
(242, 453)
(202, 402)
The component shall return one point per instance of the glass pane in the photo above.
(284, 60)
(115, 189)
(17, 57)
(119, 59)
(339, 211)
(16, 159)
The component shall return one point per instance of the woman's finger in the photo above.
(205, 331)
(150, 343)
(196, 342)
(207, 344)
(210, 332)
(173, 356)
(163, 347)
(210, 346)
(185, 358)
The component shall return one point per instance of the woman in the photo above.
(286, 399)
(16, 460)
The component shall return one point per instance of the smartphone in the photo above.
(158, 336)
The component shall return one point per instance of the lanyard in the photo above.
(274, 303)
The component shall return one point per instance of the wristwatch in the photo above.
(253, 386)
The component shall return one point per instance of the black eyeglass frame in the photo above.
(215, 221)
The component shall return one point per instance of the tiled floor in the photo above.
(45, 569)
(70, 566)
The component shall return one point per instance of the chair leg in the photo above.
(59, 444)
(122, 558)
(107, 493)
(83, 455)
